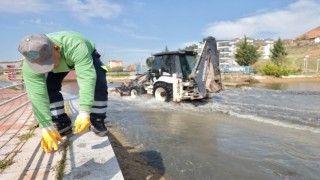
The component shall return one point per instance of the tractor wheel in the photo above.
(162, 91)
(134, 92)
(207, 96)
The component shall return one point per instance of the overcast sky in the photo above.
(132, 30)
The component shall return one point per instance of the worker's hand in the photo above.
(82, 123)
(50, 137)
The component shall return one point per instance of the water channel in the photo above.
(265, 131)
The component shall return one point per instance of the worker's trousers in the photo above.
(99, 108)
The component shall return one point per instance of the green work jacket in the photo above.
(76, 53)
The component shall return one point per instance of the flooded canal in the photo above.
(266, 131)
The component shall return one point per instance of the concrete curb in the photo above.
(89, 156)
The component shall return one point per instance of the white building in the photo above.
(267, 46)
(200, 46)
(115, 63)
(227, 49)
(317, 40)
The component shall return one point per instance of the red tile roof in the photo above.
(312, 34)
(116, 61)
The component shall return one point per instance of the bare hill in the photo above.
(297, 53)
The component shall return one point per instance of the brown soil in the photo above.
(270, 79)
(132, 165)
(238, 81)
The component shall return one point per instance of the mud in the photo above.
(132, 164)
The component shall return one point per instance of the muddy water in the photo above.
(5, 83)
(261, 132)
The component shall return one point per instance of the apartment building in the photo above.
(266, 47)
(227, 49)
(115, 63)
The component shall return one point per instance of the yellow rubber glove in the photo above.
(50, 137)
(82, 122)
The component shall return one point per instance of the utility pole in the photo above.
(306, 63)
(141, 65)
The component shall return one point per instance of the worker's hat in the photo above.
(38, 52)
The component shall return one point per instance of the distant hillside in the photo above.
(311, 34)
(297, 53)
(304, 45)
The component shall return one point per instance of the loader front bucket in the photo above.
(123, 89)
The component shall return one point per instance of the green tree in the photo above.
(149, 61)
(166, 49)
(191, 47)
(278, 53)
(247, 54)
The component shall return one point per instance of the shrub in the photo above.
(257, 67)
(274, 70)
(268, 69)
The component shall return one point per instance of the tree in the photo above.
(278, 53)
(247, 54)
(149, 61)
(191, 47)
(166, 49)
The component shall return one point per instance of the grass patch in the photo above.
(118, 74)
(6, 163)
(26, 136)
(32, 128)
(294, 60)
(296, 55)
(60, 167)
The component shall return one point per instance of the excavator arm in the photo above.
(206, 73)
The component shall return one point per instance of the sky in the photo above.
(133, 30)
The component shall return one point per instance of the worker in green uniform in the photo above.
(47, 60)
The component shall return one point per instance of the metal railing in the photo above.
(12, 99)
(11, 70)
(7, 87)
(15, 70)
(236, 69)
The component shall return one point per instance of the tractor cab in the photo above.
(174, 62)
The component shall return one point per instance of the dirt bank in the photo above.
(243, 80)
(111, 79)
(285, 79)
